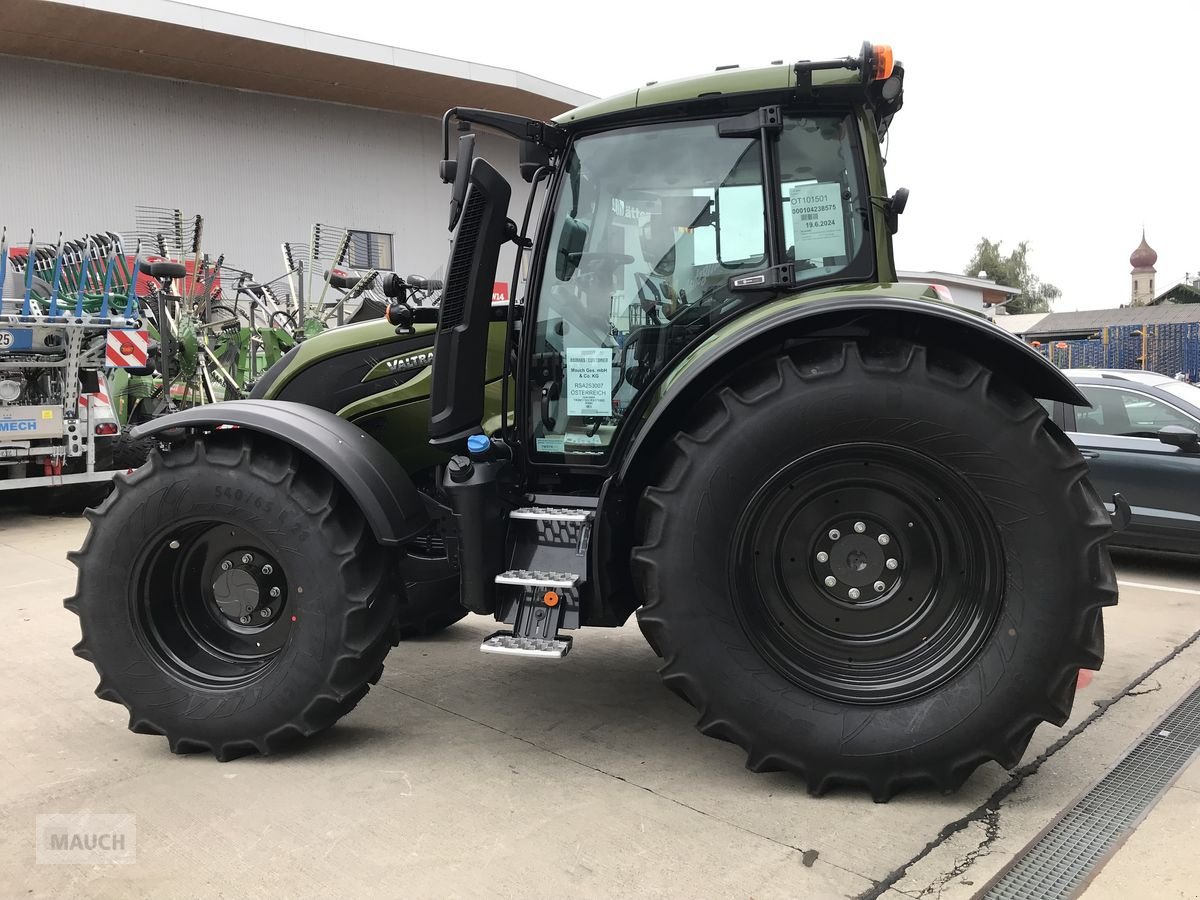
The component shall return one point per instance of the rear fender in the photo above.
(924, 322)
(379, 485)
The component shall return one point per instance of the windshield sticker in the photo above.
(817, 220)
(589, 381)
(594, 440)
(550, 445)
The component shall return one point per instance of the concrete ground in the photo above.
(469, 775)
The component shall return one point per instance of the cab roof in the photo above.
(724, 82)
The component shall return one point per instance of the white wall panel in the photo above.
(81, 147)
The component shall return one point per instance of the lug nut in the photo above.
(265, 612)
(830, 581)
(226, 565)
(275, 592)
(852, 593)
(879, 586)
(891, 564)
(245, 620)
(822, 557)
(268, 569)
(247, 559)
(860, 527)
(834, 534)
(174, 545)
(884, 540)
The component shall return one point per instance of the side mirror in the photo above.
(894, 207)
(1177, 436)
(570, 246)
(461, 175)
(532, 157)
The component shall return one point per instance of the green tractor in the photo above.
(841, 515)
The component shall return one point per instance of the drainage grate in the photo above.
(1062, 858)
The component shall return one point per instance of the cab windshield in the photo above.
(649, 225)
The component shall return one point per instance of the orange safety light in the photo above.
(1037, 344)
(882, 62)
(550, 599)
(1061, 345)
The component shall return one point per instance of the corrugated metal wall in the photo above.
(81, 147)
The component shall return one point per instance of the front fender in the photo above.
(379, 485)
(843, 316)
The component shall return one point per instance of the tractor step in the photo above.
(540, 593)
(550, 514)
(526, 578)
(538, 648)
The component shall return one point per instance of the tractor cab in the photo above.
(664, 219)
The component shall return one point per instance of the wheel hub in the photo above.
(864, 560)
(236, 593)
(247, 587)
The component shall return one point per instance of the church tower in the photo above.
(1142, 260)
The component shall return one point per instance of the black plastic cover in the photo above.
(461, 345)
(343, 282)
(163, 269)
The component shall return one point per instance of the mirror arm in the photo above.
(549, 135)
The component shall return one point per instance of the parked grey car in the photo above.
(1142, 438)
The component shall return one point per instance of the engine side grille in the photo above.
(454, 297)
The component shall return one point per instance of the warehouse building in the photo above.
(261, 128)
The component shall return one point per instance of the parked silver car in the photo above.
(1141, 437)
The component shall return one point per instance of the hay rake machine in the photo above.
(68, 313)
(215, 328)
(312, 269)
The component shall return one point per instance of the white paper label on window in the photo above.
(550, 445)
(817, 220)
(589, 381)
(590, 440)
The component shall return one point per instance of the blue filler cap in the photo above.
(478, 443)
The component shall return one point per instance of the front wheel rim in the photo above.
(213, 604)
(867, 573)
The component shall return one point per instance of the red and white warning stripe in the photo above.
(127, 348)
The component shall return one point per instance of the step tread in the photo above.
(537, 648)
(528, 578)
(551, 514)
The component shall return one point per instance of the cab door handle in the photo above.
(1089, 454)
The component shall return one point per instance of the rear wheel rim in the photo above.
(867, 573)
(212, 604)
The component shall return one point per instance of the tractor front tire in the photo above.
(231, 597)
(873, 564)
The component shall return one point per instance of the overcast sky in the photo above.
(1067, 124)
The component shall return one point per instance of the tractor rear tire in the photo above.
(874, 564)
(232, 598)
(130, 453)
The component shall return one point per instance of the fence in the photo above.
(1166, 349)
